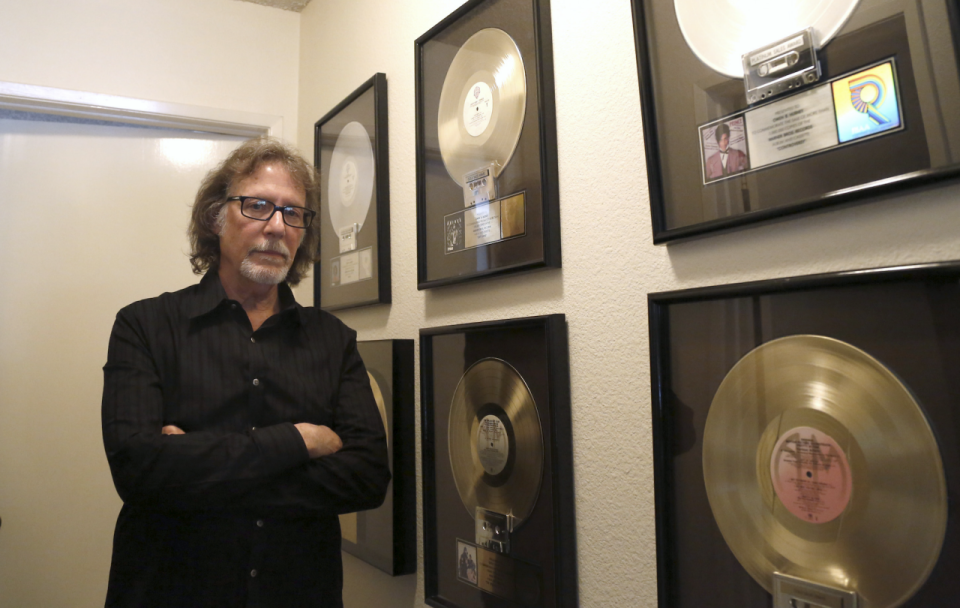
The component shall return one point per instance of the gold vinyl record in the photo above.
(819, 463)
(482, 104)
(495, 441)
(378, 397)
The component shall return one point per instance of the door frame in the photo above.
(144, 112)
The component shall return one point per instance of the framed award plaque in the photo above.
(487, 197)
(498, 515)
(386, 537)
(806, 435)
(751, 114)
(351, 153)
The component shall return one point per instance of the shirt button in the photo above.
(259, 523)
(253, 428)
(233, 306)
(256, 382)
(252, 339)
(253, 573)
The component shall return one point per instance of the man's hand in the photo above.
(172, 430)
(320, 440)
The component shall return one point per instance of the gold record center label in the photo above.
(811, 475)
(493, 445)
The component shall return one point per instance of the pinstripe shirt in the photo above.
(234, 512)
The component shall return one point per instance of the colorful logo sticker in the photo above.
(866, 103)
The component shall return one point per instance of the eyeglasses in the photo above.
(261, 210)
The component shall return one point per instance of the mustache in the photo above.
(271, 247)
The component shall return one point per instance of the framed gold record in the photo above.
(351, 153)
(487, 198)
(386, 537)
(805, 438)
(498, 521)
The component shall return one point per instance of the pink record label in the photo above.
(811, 475)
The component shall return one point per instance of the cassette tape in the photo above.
(786, 65)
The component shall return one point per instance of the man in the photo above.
(237, 423)
(726, 161)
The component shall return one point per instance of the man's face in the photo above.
(723, 142)
(261, 252)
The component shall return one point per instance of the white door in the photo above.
(92, 217)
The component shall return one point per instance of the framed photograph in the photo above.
(351, 152)
(749, 116)
(386, 537)
(806, 435)
(498, 509)
(487, 186)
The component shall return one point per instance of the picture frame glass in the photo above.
(902, 323)
(882, 115)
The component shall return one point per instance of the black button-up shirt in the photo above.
(234, 512)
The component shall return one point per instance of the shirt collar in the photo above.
(209, 295)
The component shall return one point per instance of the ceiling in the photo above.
(287, 5)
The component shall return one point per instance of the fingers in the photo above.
(172, 430)
(320, 440)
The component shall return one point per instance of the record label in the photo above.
(493, 446)
(811, 475)
(348, 181)
(478, 109)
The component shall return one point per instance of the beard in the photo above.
(266, 273)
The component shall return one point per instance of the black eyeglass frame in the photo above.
(308, 214)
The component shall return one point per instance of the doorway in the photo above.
(94, 217)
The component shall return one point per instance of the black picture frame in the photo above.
(679, 95)
(903, 316)
(531, 171)
(386, 537)
(536, 347)
(333, 288)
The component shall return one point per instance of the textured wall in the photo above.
(609, 262)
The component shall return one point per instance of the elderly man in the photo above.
(236, 422)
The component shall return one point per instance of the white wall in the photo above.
(220, 54)
(609, 262)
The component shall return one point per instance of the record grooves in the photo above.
(819, 463)
(502, 473)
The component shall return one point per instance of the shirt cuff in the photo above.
(281, 445)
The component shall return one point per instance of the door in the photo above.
(93, 216)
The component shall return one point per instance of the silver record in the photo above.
(352, 173)
(720, 32)
(482, 104)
